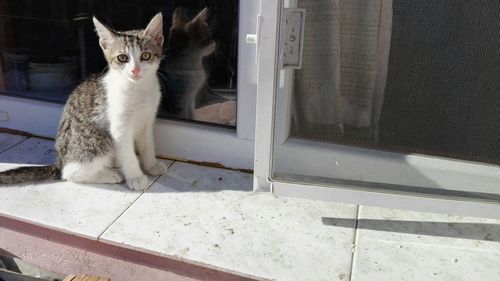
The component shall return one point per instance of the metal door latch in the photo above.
(292, 41)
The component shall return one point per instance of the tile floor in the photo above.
(211, 216)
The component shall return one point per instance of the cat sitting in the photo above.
(108, 116)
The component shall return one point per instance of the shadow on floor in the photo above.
(475, 231)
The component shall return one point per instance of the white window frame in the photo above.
(371, 163)
(174, 139)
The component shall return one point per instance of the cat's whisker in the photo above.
(163, 80)
(103, 72)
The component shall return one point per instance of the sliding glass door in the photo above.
(391, 102)
(207, 112)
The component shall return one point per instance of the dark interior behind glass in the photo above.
(48, 46)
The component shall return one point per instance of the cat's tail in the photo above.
(30, 174)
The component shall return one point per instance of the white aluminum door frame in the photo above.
(174, 139)
(267, 91)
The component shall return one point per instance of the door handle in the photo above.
(255, 38)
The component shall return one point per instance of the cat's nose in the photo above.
(136, 71)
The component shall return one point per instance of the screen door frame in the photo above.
(268, 132)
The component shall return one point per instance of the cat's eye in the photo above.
(146, 56)
(122, 58)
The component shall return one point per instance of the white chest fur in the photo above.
(131, 106)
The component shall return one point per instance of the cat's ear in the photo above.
(106, 35)
(155, 29)
(202, 17)
(200, 21)
(179, 17)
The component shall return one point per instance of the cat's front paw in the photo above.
(140, 184)
(157, 170)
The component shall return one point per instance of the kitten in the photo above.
(106, 117)
(189, 42)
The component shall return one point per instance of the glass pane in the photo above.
(47, 47)
(412, 77)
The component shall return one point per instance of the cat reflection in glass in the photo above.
(190, 41)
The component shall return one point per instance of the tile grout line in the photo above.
(355, 243)
(132, 203)
(14, 145)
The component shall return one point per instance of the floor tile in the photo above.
(80, 209)
(211, 216)
(8, 140)
(405, 245)
(30, 151)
